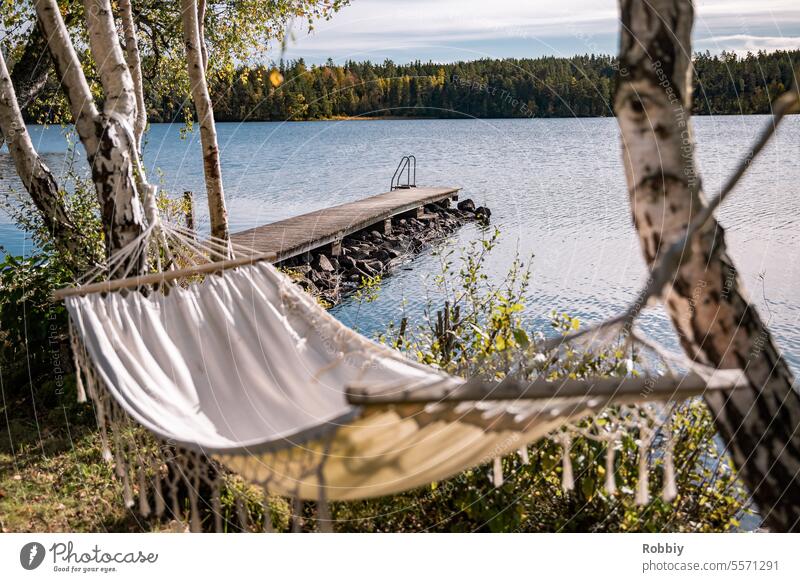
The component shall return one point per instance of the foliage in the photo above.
(236, 32)
(480, 331)
(580, 86)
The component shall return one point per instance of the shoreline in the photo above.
(456, 118)
(422, 118)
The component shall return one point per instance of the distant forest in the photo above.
(580, 86)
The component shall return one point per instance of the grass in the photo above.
(52, 475)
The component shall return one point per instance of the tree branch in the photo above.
(135, 68)
(70, 73)
(201, 28)
(120, 98)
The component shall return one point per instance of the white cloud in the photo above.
(426, 28)
(742, 43)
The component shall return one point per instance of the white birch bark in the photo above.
(205, 113)
(201, 27)
(120, 98)
(135, 67)
(70, 73)
(706, 301)
(107, 138)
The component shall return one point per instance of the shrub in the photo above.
(480, 331)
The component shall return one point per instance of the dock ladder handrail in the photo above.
(409, 164)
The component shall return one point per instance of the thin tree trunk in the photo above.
(34, 173)
(716, 324)
(208, 132)
(70, 75)
(107, 138)
(135, 67)
(201, 28)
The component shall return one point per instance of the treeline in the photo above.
(580, 86)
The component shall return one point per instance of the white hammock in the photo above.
(249, 369)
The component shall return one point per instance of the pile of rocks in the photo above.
(375, 252)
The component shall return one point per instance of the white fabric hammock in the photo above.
(249, 369)
(246, 368)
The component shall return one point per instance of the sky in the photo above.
(453, 30)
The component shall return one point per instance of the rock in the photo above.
(308, 286)
(369, 253)
(365, 267)
(483, 214)
(324, 264)
(466, 205)
(376, 265)
(302, 269)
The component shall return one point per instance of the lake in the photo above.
(555, 186)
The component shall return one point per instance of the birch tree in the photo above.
(107, 137)
(706, 301)
(135, 67)
(212, 168)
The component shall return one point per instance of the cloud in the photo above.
(742, 43)
(453, 29)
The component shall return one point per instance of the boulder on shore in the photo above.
(483, 214)
(466, 205)
(323, 264)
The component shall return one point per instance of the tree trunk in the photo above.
(205, 113)
(135, 67)
(107, 138)
(201, 30)
(34, 173)
(716, 324)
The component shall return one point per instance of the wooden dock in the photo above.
(328, 226)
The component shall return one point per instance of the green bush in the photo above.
(480, 331)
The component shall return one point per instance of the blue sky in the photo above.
(450, 30)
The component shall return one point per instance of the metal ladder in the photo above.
(408, 164)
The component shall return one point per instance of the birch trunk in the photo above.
(135, 68)
(716, 324)
(107, 138)
(34, 173)
(201, 28)
(205, 113)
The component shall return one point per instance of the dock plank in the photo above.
(306, 232)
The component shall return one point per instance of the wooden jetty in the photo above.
(328, 226)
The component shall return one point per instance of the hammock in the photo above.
(246, 368)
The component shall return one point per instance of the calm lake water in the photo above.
(555, 186)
